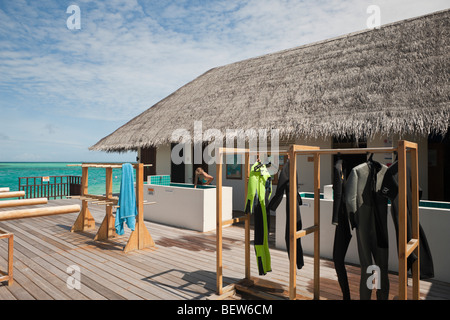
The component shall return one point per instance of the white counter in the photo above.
(185, 207)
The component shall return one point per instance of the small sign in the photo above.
(45, 179)
(151, 191)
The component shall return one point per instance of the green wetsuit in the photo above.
(258, 192)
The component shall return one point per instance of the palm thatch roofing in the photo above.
(391, 80)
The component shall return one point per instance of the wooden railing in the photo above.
(51, 187)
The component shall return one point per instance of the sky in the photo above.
(69, 77)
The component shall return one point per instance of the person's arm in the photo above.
(209, 178)
(195, 180)
(351, 190)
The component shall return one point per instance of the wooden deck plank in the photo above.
(111, 269)
(354, 284)
(105, 286)
(182, 266)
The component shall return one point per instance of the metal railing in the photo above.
(51, 187)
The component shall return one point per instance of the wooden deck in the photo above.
(181, 267)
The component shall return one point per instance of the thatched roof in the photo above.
(395, 79)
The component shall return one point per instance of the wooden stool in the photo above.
(9, 275)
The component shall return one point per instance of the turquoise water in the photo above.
(11, 171)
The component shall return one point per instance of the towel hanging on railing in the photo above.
(127, 210)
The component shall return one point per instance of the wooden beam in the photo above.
(247, 221)
(317, 224)
(12, 194)
(23, 202)
(301, 148)
(4, 189)
(414, 156)
(306, 231)
(235, 220)
(402, 266)
(84, 221)
(411, 246)
(292, 223)
(38, 212)
(410, 145)
(8, 275)
(227, 291)
(311, 150)
(219, 271)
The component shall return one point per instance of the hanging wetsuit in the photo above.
(368, 214)
(389, 189)
(342, 234)
(258, 192)
(283, 187)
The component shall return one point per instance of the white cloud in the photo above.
(115, 67)
(128, 55)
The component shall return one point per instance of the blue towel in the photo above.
(127, 210)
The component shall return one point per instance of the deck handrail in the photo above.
(55, 187)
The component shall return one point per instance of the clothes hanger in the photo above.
(261, 164)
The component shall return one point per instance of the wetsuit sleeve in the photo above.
(337, 192)
(351, 190)
(389, 187)
(251, 192)
(279, 192)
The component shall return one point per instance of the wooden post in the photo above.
(219, 279)
(317, 226)
(402, 265)
(10, 259)
(140, 238)
(292, 223)
(22, 202)
(8, 276)
(38, 212)
(12, 194)
(107, 228)
(247, 220)
(85, 221)
(415, 221)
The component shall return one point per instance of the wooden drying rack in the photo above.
(405, 248)
(140, 238)
(23, 214)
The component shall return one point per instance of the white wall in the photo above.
(182, 207)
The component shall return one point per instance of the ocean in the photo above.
(11, 171)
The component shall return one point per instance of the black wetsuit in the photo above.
(343, 233)
(283, 187)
